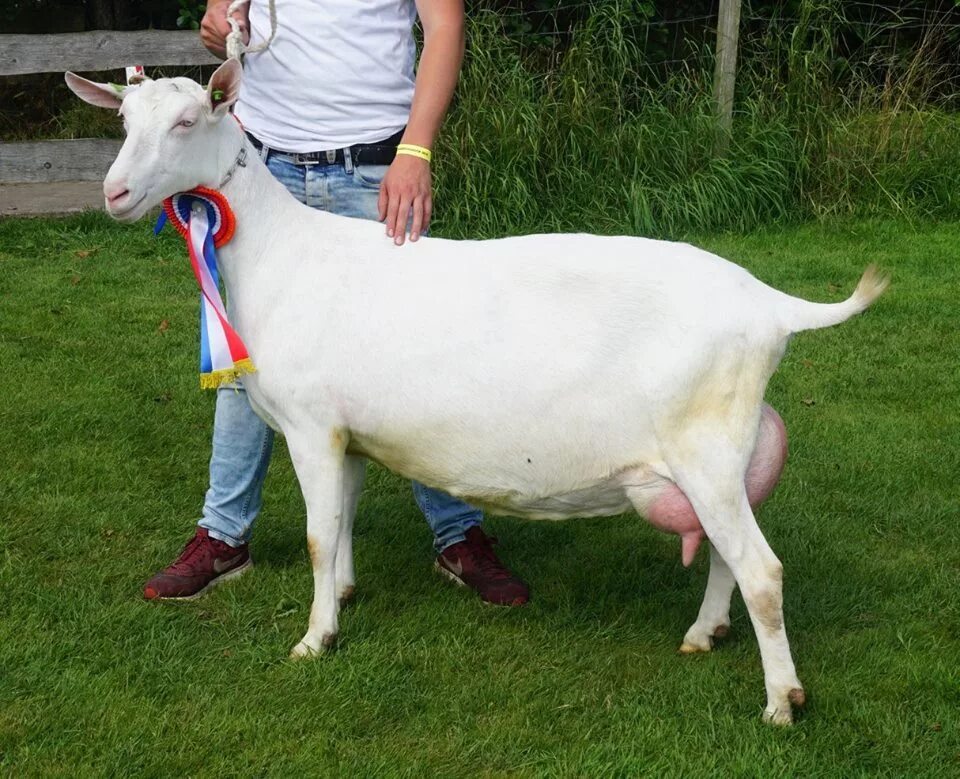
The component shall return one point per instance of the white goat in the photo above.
(545, 376)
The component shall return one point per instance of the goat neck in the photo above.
(259, 202)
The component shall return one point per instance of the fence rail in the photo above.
(43, 162)
(100, 50)
(33, 174)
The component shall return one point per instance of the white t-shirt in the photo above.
(338, 72)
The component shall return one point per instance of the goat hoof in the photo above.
(780, 717)
(796, 698)
(310, 648)
(686, 648)
(302, 650)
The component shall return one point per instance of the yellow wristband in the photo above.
(415, 151)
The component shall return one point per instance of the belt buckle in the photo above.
(327, 157)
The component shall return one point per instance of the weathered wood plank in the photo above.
(85, 159)
(64, 197)
(100, 50)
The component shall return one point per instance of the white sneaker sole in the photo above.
(448, 574)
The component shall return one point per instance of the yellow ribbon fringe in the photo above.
(214, 379)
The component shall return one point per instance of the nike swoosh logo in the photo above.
(219, 566)
(455, 568)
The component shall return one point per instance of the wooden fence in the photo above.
(43, 177)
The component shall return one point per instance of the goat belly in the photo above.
(603, 499)
(656, 498)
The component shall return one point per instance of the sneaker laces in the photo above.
(196, 547)
(486, 559)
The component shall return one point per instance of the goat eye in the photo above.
(186, 123)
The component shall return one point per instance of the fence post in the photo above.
(728, 29)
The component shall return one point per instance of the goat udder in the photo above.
(671, 512)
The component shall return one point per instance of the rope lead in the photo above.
(235, 46)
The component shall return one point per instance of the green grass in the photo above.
(104, 437)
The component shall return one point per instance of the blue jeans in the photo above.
(242, 442)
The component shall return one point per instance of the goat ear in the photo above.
(224, 87)
(103, 95)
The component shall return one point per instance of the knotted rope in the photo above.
(235, 46)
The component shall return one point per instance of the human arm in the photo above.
(407, 184)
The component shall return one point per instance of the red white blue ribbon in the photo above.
(204, 218)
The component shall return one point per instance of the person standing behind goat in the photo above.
(326, 104)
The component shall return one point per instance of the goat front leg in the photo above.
(318, 459)
(354, 470)
(713, 621)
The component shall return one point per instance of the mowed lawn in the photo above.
(104, 439)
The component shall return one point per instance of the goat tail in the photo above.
(804, 315)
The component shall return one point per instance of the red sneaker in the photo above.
(472, 563)
(203, 563)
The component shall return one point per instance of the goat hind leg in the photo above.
(718, 496)
(763, 472)
(713, 621)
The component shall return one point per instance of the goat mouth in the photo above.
(126, 214)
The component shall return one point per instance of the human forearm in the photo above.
(438, 71)
(405, 193)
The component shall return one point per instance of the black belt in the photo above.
(380, 153)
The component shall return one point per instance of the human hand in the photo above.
(405, 187)
(214, 26)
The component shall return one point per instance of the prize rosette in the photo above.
(205, 220)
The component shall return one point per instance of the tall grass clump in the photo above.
(584, 139)
(873, 125)
(590, 135)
